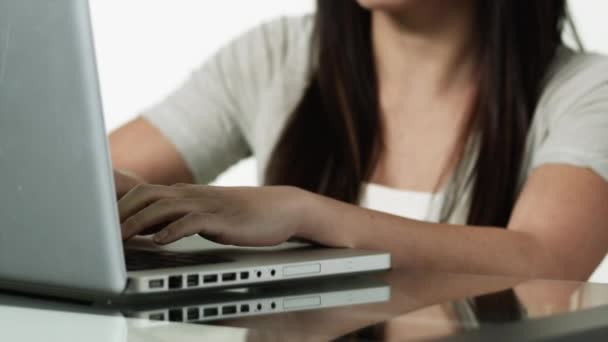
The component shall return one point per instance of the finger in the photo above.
(124, 181)
(122, 184)
(141, 196)
(156, 214)
(191, 224)
(153, 230)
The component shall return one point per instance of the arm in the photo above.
(559, 229)
(141, 149)
(201, 128)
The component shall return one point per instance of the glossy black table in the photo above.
(393, 306)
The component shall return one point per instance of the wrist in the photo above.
(319, 220)
(306, 214)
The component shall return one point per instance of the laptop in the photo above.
(60, 233)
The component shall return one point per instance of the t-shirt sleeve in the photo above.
(209, 117)
(578, 130)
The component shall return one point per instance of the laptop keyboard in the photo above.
(140, 260)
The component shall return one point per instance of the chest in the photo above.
(421, 145)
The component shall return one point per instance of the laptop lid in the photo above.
(57, 204)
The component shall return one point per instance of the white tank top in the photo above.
(414, 205)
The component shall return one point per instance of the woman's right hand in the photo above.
(125, 181)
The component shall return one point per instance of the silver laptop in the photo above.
(60, 233)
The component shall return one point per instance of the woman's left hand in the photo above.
(264, 216)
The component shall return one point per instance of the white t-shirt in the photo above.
(236, 105)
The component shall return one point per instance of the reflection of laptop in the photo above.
(264, 300)
(66, 322)
(60, 233)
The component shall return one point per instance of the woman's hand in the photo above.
(264, 216)
(124, 182)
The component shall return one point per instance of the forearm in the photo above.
(425, 246)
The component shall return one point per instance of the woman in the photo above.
(472, 138)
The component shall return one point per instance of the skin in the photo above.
(557, 229)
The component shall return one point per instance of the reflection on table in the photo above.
(391, 306)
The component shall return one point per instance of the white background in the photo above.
(147, 47)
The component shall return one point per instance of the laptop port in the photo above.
(157, 317)
(210, 278)
(244, 275)
(210, 312)
(193, 314)
(245, 308)
(175, 282)
(156, 283)
(176, 315)
(273, 305)
(229, 277)
(193, 280)
(229, 310)
(273, 273)
(259, 274)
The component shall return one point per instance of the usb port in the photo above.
(192, 280)
(229, 310)
(157, 317)
(176, 315)
(193, 314)
(244, 275)
(156, 283)
(245, 308)
(210, 312)
(210, 278)
(229, 277)
(175, 282)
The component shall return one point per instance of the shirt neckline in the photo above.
(385, 188)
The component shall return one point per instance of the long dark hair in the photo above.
(331, 143)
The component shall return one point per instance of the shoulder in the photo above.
(266, 48)
(575, 67)
(253, 62)
(575, 78)
(248, 69)
(280, 32)
(571, 122)
(264, 73)
(288, 28)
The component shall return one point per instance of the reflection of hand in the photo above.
(264, 216)
(124, 182)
